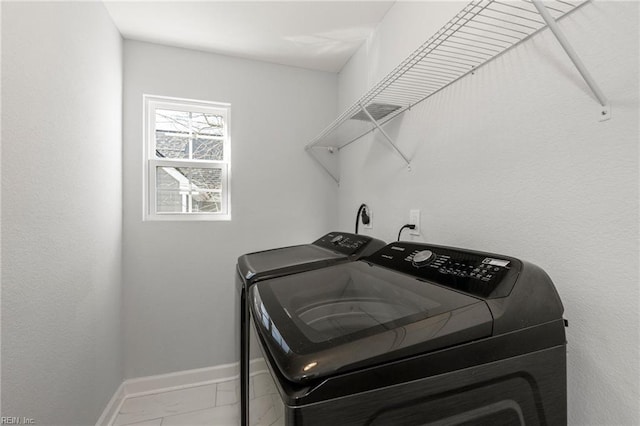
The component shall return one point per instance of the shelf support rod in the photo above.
(317, 160)
(577, 62)
(375, 123)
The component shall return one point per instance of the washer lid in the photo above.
(327, 250)
(353, 315)
(255, 266)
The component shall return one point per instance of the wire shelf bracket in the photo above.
(479, 33)
(386, 136)
(605, 110)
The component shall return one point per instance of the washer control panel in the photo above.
(481, 274)
(343, 242)
(423, 257)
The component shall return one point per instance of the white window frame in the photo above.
(151, 161)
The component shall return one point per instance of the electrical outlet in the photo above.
(414, 219)
(370, 224)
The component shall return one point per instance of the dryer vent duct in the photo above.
(377, 111)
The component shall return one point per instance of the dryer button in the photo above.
(337, 239)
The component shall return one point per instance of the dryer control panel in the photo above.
(346, 243)
(480, 274)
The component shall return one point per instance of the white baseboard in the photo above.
(180, 379)
(113, 407)
(167, 382)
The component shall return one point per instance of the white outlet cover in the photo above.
(414, 219)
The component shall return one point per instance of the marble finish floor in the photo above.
(214, 404)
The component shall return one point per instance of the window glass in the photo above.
(187, 151)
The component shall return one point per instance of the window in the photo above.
(186, 159)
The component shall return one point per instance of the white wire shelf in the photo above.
(483, 30)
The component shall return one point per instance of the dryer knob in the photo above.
(423, 257)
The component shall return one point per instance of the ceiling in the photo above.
(319, 35)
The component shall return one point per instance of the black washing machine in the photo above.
(331, 249)
(414, 334)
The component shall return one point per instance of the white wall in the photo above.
(513, 160)
(61, 211)
(179, 293)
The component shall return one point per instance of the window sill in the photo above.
(187, 217)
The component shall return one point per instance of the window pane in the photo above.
(208, 149)
(168, 197)
(172, 121)
(192, 135)
(188, 190)
(207, 124)
(171, 146)
(201, 178)
(207, 202)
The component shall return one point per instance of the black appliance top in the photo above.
(331, 248)
(405, 299)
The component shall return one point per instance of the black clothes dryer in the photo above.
(414, 334)
(331, 249)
